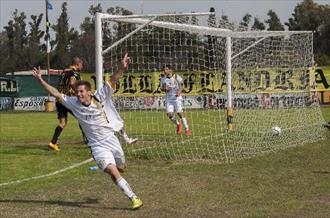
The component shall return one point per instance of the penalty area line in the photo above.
(49, 174)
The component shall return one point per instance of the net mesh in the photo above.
(271, 82)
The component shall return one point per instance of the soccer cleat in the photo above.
(131, 141)
(53, 146)
(136, 203)
(188, 132)
(179, 128)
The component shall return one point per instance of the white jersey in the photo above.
(100, 118)
(174, 83)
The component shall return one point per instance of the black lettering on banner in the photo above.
(224, 82)
(188, 82)
(145, 84)
(320, 78)
(304, 80)
(262, 81)
(244, 81)
(128, 84)
(158, 90)
(282, 80)
(206, 81)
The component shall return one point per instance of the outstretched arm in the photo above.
(50, 89)
(124, 64)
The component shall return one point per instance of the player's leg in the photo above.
(110, 158)
(127, 139)
(62, 115)
(179, 110)
(170, 114)
(113, 171)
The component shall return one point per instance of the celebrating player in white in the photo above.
(99, 120)
(172, 85)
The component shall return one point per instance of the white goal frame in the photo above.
(150, 19)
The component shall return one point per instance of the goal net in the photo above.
(264, 78)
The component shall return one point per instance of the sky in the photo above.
(78, 9)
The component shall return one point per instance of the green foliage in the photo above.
(244, 24)
(309, 15)
(274, 22)
(65, 36)
(258, 25)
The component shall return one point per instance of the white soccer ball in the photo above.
(276, 130)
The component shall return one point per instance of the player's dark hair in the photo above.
(83, 83)
(168, 66)
(76, 60)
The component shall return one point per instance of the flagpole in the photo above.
(47, 42)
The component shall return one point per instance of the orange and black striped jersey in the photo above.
(64, 86)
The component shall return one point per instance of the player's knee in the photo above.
(122, 168)
(62, 125)
(170, 115)
(63, 122)
(113, 171)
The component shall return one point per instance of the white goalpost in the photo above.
(265, 78)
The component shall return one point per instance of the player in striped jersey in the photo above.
(67, 84)
(100, 120)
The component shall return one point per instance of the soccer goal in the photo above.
(237, 86)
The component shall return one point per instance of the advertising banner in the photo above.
(6, 103)
(35, 103)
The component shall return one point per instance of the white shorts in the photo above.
(174, 105)
(109, 151)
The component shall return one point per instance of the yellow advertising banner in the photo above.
(322, 78)
(243, 81)
(202, 82)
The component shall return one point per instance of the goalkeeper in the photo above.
(99, 120)
(172, 85)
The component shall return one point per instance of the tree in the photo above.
(258, 25)
(244, 24)
(35, 52)
(64, 39)
(87, 39)
(308, 15)
(305, 17)
(4, 48)
(274, 22)
(17, 42)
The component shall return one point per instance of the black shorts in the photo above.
(62, 111)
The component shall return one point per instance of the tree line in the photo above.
(23, 45)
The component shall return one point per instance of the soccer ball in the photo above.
(276, 130)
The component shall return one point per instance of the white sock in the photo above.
(125, 136)
(185, 123)
(124, 186)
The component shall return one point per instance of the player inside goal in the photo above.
(246, 81)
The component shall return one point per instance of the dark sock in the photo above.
(57, 134)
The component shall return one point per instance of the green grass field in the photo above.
(294, 182)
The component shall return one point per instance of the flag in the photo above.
(49, 6)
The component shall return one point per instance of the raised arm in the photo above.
(50, 89)
(124, 64)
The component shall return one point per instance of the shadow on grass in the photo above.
(81, 204)
(321, 172)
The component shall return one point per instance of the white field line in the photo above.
(49, 174)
